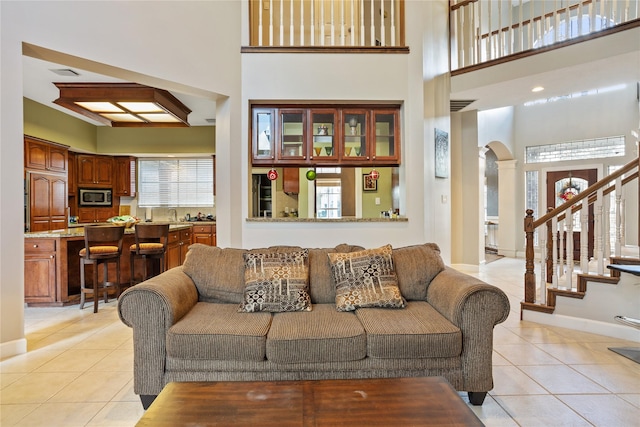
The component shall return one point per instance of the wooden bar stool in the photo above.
(102, 245)
(151, 242)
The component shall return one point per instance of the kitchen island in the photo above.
(52, 263)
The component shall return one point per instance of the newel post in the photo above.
(529, 275)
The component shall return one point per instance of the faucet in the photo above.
(173, 215)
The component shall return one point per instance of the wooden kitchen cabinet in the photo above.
(205, 234)
(125, 176)
(40, 270)
(94, 171)
(177, 248)
(44, 155)
(290, 180)
(47, 201)
(349, 135)
(93, 215)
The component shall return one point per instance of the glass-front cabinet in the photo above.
(310, 135)
(323, 129)
(292, 135)
(262, 134)
(355, 144)
(385, 123)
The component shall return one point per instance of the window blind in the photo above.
(183, 182)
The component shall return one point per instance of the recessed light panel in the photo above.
(100, 107)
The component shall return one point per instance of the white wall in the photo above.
(189, 46)
(367, 77)
(194, 47)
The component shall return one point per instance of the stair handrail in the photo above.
(530, 225)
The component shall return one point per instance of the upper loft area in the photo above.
(482, 32)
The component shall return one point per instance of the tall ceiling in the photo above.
(39, 76)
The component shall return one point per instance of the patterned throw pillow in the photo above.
(276, 282)
(365, 279)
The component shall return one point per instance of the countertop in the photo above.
(78, 231)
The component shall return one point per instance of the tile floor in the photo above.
(78, 370)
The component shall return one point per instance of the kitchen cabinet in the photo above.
(71, 175)
(290, 180)
(205, 234)
(47, 201)
(324, 134)
(262, 132)
(125, 176)
(177, 248)
(94, 171)
(359, 135)
(292, 135)
(43, 155)
(91, 215)
(40, 270)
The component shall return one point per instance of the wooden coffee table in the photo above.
(429, 401)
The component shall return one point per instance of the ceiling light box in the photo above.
(124, 104)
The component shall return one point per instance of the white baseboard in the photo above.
(13, 348)
(466, 268)
(583, 325)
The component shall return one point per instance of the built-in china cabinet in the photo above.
(353, 135)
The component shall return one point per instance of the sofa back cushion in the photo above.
(322, 288)
(416, 266)
(217, 273)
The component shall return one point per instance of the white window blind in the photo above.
(183, 182)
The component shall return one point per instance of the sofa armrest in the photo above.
(475, 307)
(151, 308)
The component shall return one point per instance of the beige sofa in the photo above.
(187, 327)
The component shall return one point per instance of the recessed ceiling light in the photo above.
(537, 89)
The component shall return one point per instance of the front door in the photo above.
(561, 187)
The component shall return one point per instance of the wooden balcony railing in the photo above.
(555, 231)
(483, 31)
(373, 25)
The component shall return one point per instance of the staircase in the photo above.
(561, 281)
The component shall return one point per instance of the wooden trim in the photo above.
(324, 49)
(530, 52)
(535, 307)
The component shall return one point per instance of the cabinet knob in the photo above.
(35, 246)
(374, 157)
(51, 256)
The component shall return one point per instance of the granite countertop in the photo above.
(345, 219)
(78, 231)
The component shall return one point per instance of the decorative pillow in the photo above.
(276, 281)
(365, 279)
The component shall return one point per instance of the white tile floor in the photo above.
(78, 371)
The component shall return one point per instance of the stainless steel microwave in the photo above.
(95, 196)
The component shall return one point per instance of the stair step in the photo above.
(535, 307)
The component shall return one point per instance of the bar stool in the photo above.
(102, 245)
(151, 242)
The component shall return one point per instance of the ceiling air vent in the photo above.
(456, 105)
(210, 121)
(67, 72)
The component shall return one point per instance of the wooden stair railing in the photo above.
(549, 250)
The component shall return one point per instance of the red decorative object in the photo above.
(272, 175)
(374, 174)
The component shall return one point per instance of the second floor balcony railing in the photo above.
(327, 23)
(487, 30)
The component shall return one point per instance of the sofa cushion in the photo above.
(365, 279)
(322, 335)
(215, 284)
(218, 332)
(416, 266)
(321, 286)
(276, 281)
(418, 331)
